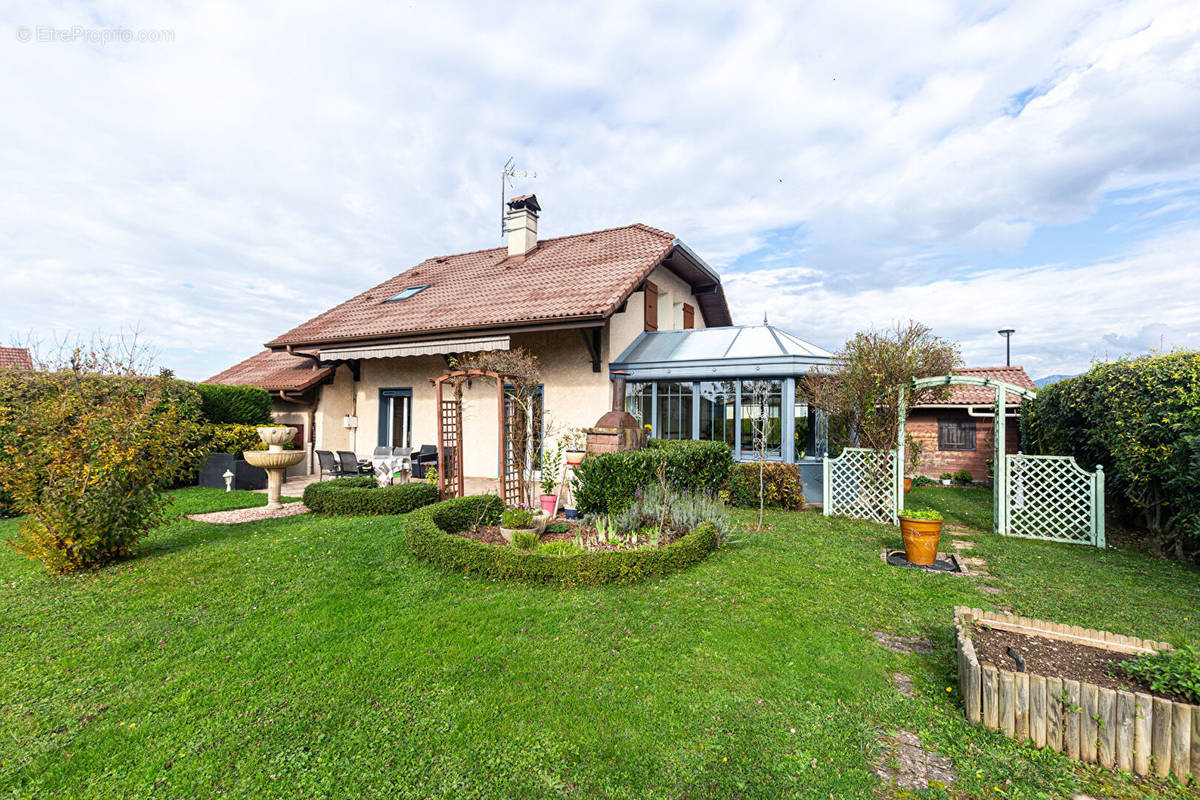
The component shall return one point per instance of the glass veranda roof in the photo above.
(727, 351)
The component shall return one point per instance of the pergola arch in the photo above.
(999, 434)
(451, 481)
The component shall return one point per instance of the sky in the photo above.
(212, 174)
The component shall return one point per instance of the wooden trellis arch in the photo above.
(451, 480)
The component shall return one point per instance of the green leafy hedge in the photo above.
(782, 486)
(234, 439)
(607, 483)
(429, 533)
(1140, 418)
(234, 405)
(361, 496)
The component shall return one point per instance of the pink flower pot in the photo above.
(549, 501)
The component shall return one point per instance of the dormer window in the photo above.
(407, 293)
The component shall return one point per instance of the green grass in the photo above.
(962, 508)
(312, 657)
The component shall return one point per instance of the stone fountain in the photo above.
(275, 460)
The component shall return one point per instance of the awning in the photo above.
(434, 347)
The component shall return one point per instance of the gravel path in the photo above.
(249, 514)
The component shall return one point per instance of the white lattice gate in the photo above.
(1052, 497)
(864, 484)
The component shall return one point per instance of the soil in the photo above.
(1055, 658)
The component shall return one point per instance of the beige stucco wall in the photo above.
(575, 396)
(286, 413)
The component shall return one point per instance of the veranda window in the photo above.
(718, 407)
(639, 401)
(674, 411)
(768, 405)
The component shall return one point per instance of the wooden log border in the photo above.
(1117, 729)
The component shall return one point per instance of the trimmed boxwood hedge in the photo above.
(606, 483)
(429, 533)
(361, 496)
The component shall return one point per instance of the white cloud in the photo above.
(267, 163)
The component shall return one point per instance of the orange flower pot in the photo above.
(921, 537)
(907, 485)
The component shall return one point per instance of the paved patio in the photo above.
(294, 486)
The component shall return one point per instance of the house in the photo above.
(16, 357)
(633, 299)
(956, 433)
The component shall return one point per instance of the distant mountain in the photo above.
(1049, 379)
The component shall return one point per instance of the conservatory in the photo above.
(711, 383)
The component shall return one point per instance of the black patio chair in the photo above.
(328, 463)
(425, 457)
(382, 451)
(348, 463)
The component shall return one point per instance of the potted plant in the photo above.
(921, 529)
(514, 520)
(576, 443)
(550, 466)
(964, 478)
(947, 479)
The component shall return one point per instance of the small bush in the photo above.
(513, 518)
(782, 486)
(963, 478)
(233, 439)
(359, 495)
(234, 405)
(525, 540)
(1169, 672)
(930, 514)
(608, 482)
(921, 480)
(429, 534)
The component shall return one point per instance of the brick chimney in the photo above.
(520, 223)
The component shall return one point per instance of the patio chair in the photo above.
(328, 463)
(382, 451)
(425, 457)
(348, 463)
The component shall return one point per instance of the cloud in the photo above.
(266, 163)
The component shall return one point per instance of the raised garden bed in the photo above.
(1066, 700)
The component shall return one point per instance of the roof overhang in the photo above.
(705, 283)
(429, 347)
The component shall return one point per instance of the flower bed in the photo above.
(361, 496)
(432, 531)
(1055, 704)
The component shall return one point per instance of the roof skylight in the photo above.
(407, 293)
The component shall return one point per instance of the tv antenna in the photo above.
(507, 174)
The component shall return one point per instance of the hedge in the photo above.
(430, 535)
(361, 496)
(1140, 418)
(782, 486)
(607, 482)
(222, 404)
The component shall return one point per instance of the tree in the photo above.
(859, 391)
(761, 393)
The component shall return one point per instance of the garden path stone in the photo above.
(240, 515)
(915, 767)
(959, 544)
(903, 684)
(903, 644)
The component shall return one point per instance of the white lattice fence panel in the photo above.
(1052, 497)
(861, 483)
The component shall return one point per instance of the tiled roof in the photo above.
(981, 395)
(15, 357)
(273, 370)
(584, 276)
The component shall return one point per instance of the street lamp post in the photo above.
(1007, 334)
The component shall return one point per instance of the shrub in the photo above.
(359, 495)
(782, 486)
(1140, 419)
(920, 513)
(1174, 672)
(608, 482)
(94, 452)
(429, 533)
(525, 540)
(234, 405)
(233, 439)
(963, 477)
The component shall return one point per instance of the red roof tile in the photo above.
(584, 276)
(15, 357)
(981, 395)
(273, 370)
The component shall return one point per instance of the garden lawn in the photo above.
(312, 657)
